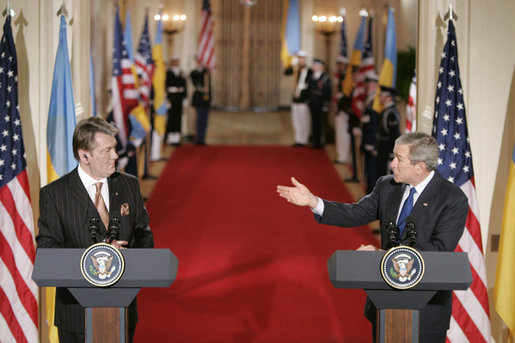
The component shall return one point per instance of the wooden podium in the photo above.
(106, 307)
(444, 271)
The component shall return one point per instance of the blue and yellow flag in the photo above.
(61, 114)
(60, 126)
(504, 294)
(389, 68)
(158, 81)
(355, 58)
(290, 31)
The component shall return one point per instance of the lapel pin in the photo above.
(425, 204)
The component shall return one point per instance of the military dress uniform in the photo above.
(300, 115)
(370, 126)
(388, 132)
(341, 123)
(319, 98)
(176, 91)
(201, 100)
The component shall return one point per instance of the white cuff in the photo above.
(319, 209)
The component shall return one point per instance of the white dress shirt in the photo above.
(89, 184)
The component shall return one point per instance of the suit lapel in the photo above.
(394, 201)
(78, 190)
(114, 196)
(426, 198)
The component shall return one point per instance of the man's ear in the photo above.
(83, 156)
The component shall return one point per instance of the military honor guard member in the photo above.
(176, 91)
(319, 88)
(300, 115)
(201, 79)
(341, 119)
(389, 131)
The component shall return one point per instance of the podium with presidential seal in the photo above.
(399, 282)
(105, 280)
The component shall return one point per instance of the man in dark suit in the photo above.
(439, 209)
(92, 190)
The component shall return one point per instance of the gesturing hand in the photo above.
(298, 195)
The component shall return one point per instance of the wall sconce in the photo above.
(172, 24)
(326, 25)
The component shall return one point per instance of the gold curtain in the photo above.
(248, 42)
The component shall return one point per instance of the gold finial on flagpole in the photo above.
(450, 14)
(62, 10)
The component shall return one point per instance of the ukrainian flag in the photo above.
(504, 294)
(355, 58)
(60, 126)
(389, 68)
(158, 81)
(61, 114)
(290, 31)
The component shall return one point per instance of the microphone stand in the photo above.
(94, 229)
(411, 230)
(113, 231)
(392, 233)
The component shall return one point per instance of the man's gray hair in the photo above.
(422, 148)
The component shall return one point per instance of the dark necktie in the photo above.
(100, 205)
(406, 210)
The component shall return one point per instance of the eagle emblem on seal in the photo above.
(102, 266)
(403, 266)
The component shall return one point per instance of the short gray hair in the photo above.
(422, 148)
(84, 133)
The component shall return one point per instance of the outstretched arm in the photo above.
(298, 194)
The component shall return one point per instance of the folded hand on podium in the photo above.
(368, 247)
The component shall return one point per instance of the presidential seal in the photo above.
(402, 267)
(102, 264)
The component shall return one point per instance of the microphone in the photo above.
(94, 229)
(392, 233)
(411, 230)
(113, 230)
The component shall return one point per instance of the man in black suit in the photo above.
(439, 210)
(68, 205)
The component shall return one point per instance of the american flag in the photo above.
(144, 65)
(18, 293)
(206, 42)
(366, 67)
(411, 107)
(123, 88)
(470, 320)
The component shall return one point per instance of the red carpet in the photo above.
(252, 268)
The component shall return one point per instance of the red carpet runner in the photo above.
(252, 268)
